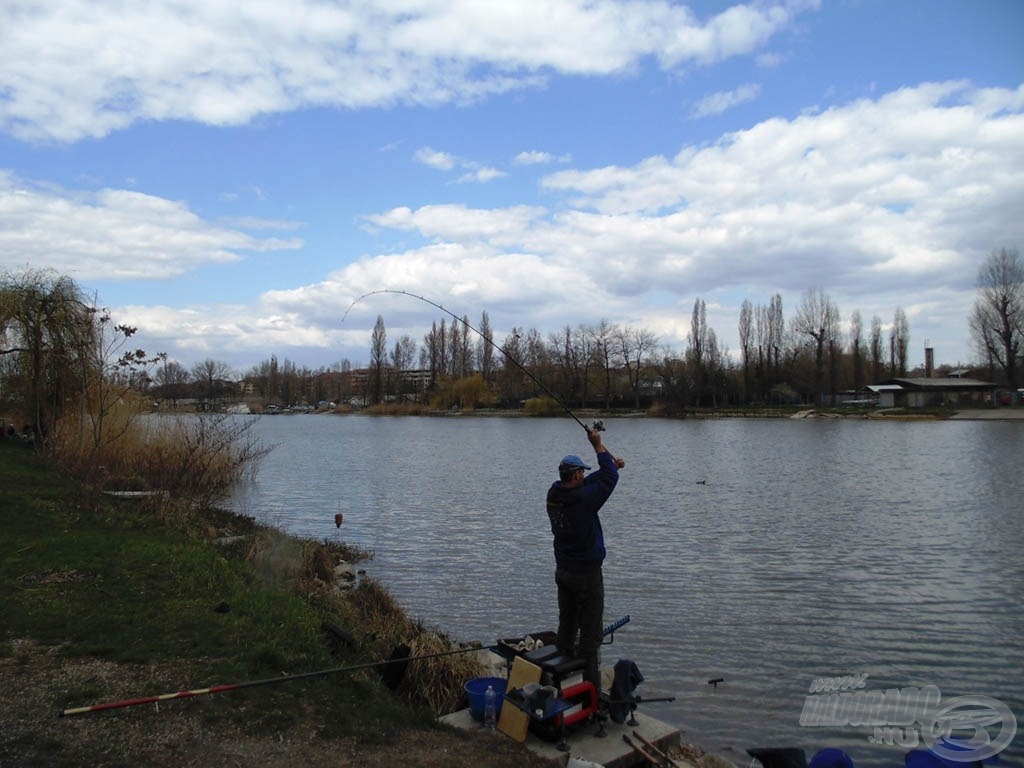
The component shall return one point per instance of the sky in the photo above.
(230, 177)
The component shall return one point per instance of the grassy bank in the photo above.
(105, 599)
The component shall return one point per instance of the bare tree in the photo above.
(523, 350)
(746, 333)
(570, 351)
(877, 364)
(402, 356)
(697, 350)
(635, 346)
(604, 355)
(485, 348)
(899, 343)
(536, 357)
(818, 319)
(172, 378)
(997, 319)
(512, 382)
(431, 354)
(776, 335)
(462, 349)
(378, 362)
(109, 372)
(857, 349)
(212, 381)
(456, 359)
(671, 370)
(770, 336)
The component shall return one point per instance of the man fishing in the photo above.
(573, 502)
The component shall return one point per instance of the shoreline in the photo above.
(1001, 413)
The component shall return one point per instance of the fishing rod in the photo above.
(252, 683)
(597, 426)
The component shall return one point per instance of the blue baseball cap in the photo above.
(571, 462)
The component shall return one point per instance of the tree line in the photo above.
(58, 349)
(813, 358)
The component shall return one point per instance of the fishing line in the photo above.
(596, 426)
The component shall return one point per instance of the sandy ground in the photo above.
(991, 414)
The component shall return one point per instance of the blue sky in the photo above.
(229, 177)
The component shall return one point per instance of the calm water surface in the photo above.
(768, 553)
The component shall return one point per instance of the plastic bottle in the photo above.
(490, 708)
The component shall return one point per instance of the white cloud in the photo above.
(884, 202)
(71, 69)
(717, 103)
(537, 157)
(482, 175)
(116, 234)
(504, 226)
(442, 161)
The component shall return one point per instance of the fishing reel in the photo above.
(597, 426)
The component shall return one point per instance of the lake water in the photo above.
(767, 553)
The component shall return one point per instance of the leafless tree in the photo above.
(770, 340)
(697, 349)
(172, 378)
(857, 349)
(571, 352)
(378, 362)
(212, 381)
(432, 354)
(776, 334)
(602, 338)
(875, 348)
(997, 318)
(402, 356)
(485, 348)
(746, 333)
(899, 343)
(817, 318)
(462, 349)
(635, 346)
(512, 382)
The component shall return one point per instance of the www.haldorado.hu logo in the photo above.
(957, 728)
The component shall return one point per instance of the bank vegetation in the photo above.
(121, 577)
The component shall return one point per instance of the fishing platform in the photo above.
(609, 751)
(545, 704)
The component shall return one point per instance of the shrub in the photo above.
(542, 406)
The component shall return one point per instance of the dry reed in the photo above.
(435, 682)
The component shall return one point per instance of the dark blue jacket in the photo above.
(579, 540)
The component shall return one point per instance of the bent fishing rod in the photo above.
(597, 426)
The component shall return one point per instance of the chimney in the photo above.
(929, 361)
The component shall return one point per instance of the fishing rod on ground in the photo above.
(397, 658)
(596, 426)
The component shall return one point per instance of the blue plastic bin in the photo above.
(477, 687)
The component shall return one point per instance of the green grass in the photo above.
(110, 579)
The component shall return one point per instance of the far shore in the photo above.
(589, 415)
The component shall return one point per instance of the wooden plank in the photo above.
(513, 722)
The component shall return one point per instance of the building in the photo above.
(933, 393)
